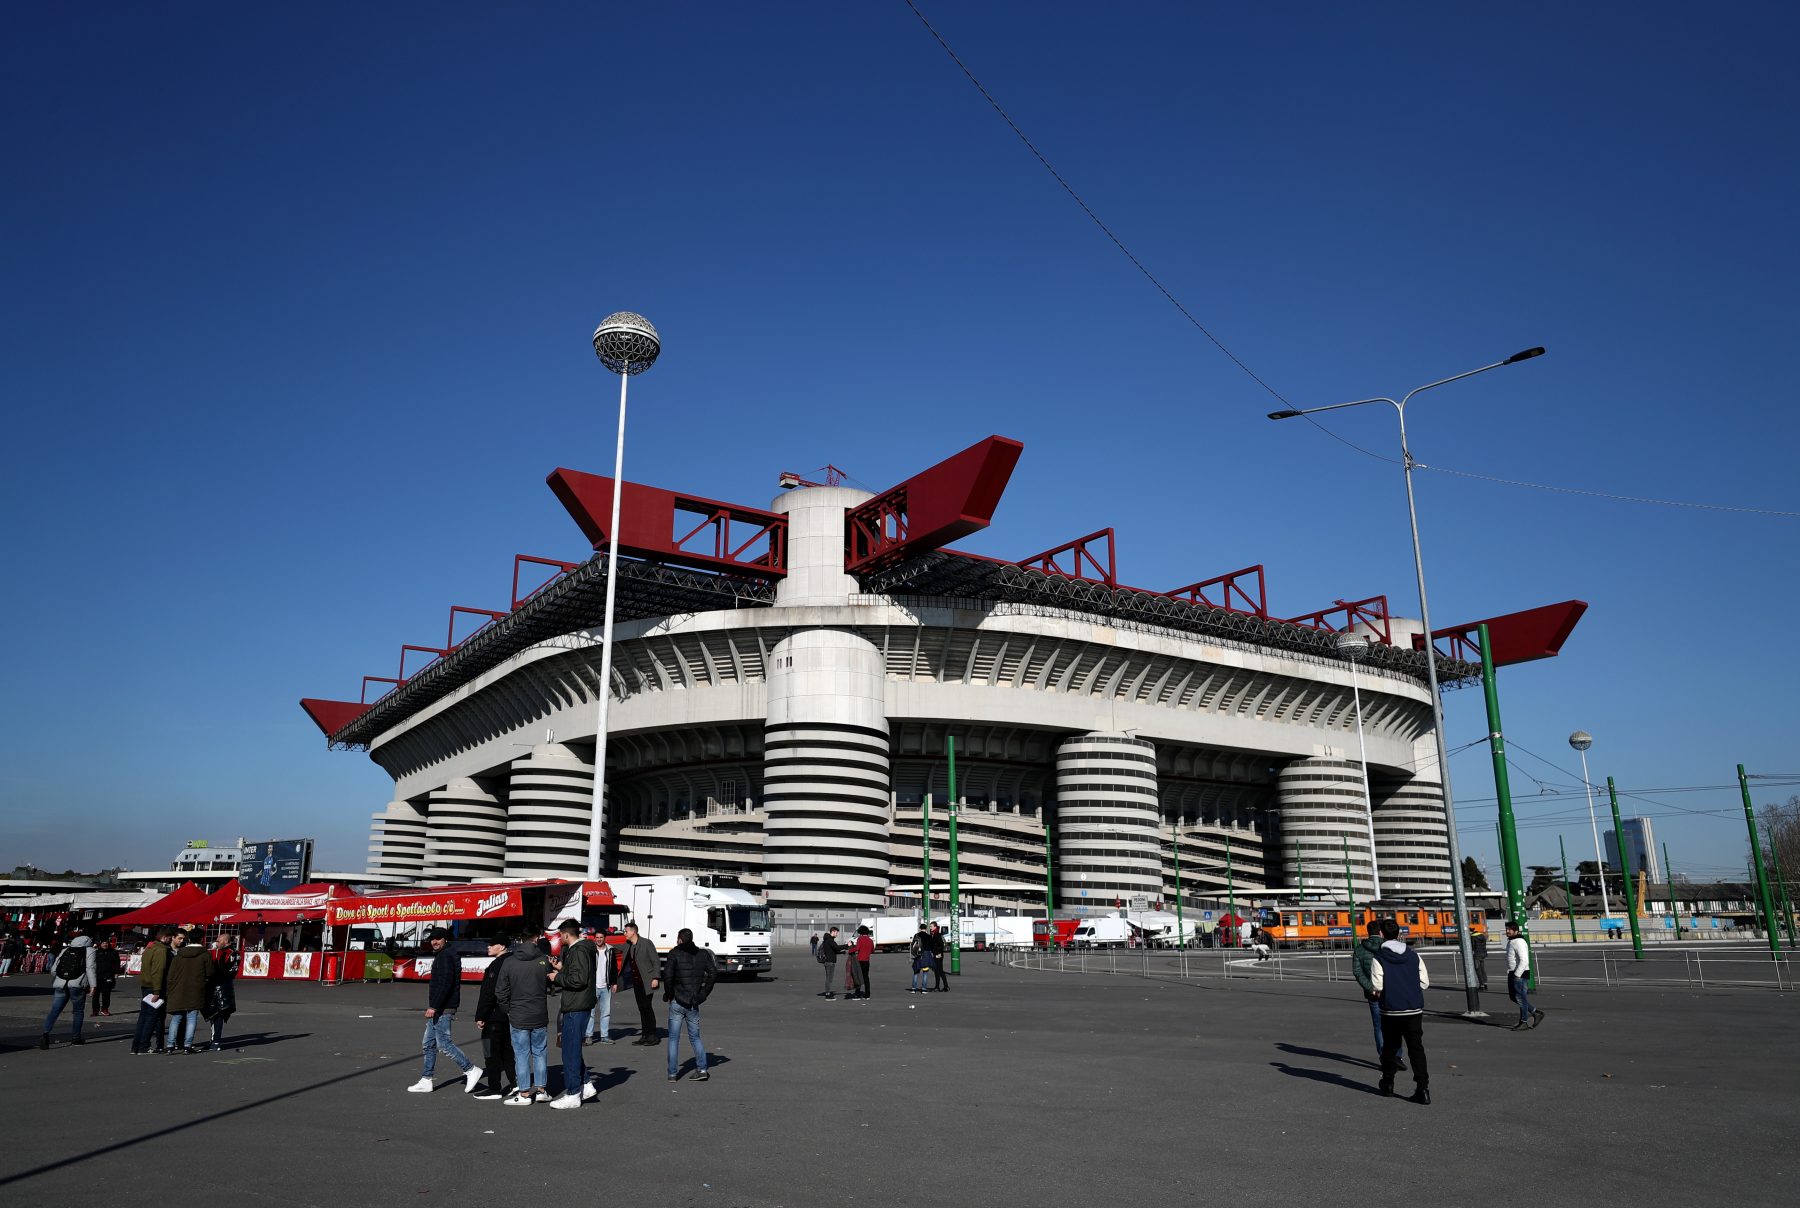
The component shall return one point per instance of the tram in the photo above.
(1323, 924)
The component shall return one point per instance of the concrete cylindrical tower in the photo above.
(1322, 811)
(1107, 841)
(815, 545)
(465, 833)
(397, 840)
(549, 800)
(1412, 840)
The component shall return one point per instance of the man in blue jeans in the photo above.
(1362, 958)
(443, 998)
(577, 968)
(1518, 977)
(522, 988)
(688, 976)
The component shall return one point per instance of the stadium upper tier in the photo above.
(784, 680)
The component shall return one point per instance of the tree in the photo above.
(1473, 877)
(1543, 876)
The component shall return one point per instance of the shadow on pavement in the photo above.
(1300, 1051)
(1294, 1071)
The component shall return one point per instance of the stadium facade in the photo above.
(785, 679)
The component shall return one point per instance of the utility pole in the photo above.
(1780, 892)
(1762, 877)
(1568, 891)
(1049, 881)
(1631, 906)
(955, 877)
(925, 846)
(1230, 890)
(1180, 919)
(1349, 888)
(1669, 882)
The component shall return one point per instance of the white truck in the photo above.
(728, 920)
(1107, 931)
(894, 932)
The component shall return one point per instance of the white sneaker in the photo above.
(471, 1080)
(423, 1086)
(588, 1091)
(564, 1102)
(540, 1095)
(519, 1099)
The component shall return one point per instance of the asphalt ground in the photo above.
(1019, 1087)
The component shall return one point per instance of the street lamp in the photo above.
(1437, 704)
(1581, 740)
(627, 344)
(1355, 648)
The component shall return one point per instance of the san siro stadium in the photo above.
(785, 682)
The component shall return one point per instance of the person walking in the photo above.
(577, 968)
(862, 951)
(1518, 977)
(496, 1033)
(1400, 982)
(153, 972)
(688, 976)
(934, 948)
(443, 996)
(1362, 959)
(72, 976)
(1478, 946)
(106, 974)
(221, 995)
(828, 956)
(522, 988)
(641, 972)
(187, 983)
(920, 957)
(813, 943)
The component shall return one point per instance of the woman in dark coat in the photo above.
(106, 975)
(221, 993)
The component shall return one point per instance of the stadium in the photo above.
(785, 680)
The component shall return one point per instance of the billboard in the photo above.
(275, 866)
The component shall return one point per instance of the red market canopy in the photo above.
(302, 904)
(171, 909)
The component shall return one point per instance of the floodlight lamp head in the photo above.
(1581, 740)
(1352, 646)
(626, 343)
(1288, 413)
(1516, 357)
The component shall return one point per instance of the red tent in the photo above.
(221, 901)
(301, 904)
(171, 909)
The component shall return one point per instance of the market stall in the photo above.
(472, 912)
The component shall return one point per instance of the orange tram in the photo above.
(1321, 924)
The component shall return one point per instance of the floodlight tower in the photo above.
(627, 344)
(1581, 740)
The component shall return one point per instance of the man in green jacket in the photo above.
(153, 972)
(577, 972)
(1361, 958)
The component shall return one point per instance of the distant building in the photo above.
(1640, 848)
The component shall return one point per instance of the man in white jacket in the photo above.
(1518, 978)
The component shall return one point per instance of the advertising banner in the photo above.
(255, 964)
(298, 965)
(283, 901)
(426, 907)
(275, 866)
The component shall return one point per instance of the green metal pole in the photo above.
(1512, 874)
(1631, 910)
(1762, 878)
(1568, 891)
(1180, 919)
(1230, 891)
(1349, 888)
(925, 876)
(1669, 882)
(955, 878)
(1781, 889)
(1300, 864)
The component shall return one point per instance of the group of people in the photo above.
(513, 1009)
(181, 981)
(1394, 979)
(827, 948)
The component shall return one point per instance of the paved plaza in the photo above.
(1020, 1087)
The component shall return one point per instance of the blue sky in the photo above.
(300, 301)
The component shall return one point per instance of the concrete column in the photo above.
(815, 547)
(825, 774)
(549, 801)
(1322, 810)
(465, 833)
(1107, 841)
(1412, 839)
(397, 840)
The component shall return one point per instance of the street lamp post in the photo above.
(1581, 740)
(1355, 647)
(627, 344)
(1437, 705)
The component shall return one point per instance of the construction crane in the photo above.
(834, 477)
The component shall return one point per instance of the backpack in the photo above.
(71, 965)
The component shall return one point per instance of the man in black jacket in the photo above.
(828, 956)
(522, 987)
(934, 947)
(689, 974)
(496, 1033)
(443, 998)
(577, 971)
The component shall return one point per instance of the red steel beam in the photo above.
(1082, 564)
(1372, 613)
(562, 568)
(1229, 592)
(332, 715)
(1517, 637)
(682, 530)
(434, 651)
(490, 614)
(931, 509)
